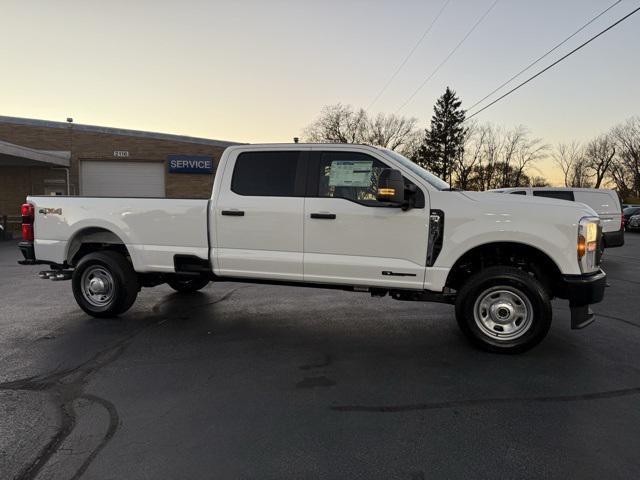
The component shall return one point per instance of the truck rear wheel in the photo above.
(187, 285)
(504, 310)
(105, 284)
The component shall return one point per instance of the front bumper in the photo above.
(613, 239)
(582, 291)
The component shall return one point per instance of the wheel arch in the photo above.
(505, 253)
(92, 239)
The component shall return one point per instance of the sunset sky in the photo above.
(260, 71)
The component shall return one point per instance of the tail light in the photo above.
(621, 222)
(28, 212)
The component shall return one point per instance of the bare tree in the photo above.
(599, 155)
(538, 181)
(390, 131)
(471, 155)
(338, 124)
(510, 145)
(528, 152)
(580, 174)
(565, 155)
(573, 163)
(627, 138)
(507, 154)
(619, 176)
(342, 124)
(492, 148)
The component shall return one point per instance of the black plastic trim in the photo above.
(397, 274)
(28, 252)
(583, 290)
(436, 236)
(190, 264)
(613, 239)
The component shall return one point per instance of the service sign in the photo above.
(190, 164)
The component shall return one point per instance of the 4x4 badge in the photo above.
(50, 211)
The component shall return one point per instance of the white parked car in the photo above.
(605, 202)
(352, 217)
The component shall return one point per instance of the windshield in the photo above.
(428, 177)
(631, 210)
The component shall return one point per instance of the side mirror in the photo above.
(391, 187)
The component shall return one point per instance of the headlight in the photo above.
(588, 241)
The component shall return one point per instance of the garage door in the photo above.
(122, 179)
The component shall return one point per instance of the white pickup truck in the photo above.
(352, 217)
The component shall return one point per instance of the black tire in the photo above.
(508, 296)
(188, 285)
(119, 279)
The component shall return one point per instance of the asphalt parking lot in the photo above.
(269, 382)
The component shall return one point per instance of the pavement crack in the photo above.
(487, 401)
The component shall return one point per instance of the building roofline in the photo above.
(59, 158)
(115, 131)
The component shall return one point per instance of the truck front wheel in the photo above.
(105, 284)
(504, 310)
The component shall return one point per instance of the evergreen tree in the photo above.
(444, 140)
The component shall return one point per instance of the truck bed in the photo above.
(154, 230)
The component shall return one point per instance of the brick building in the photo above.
(56, 158)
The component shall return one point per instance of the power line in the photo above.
(545, 55)
(406, 59)
(475, 25)
(553, 64)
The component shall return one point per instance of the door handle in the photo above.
(326, 216)
(233, 213)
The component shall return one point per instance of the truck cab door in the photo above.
(351, 238)
(257, 216)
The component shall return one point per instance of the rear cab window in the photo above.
(269, 174)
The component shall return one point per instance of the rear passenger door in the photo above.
(349, 237)
(258, 216)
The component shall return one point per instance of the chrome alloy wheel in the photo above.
(97, 286)
(503, 313)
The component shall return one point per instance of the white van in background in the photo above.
(605, 202)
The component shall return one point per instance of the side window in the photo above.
(266, 174)
(518, 192)
(354, 176)
(559, 194)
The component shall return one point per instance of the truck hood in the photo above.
(522, 201)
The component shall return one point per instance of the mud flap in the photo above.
(581, 316)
